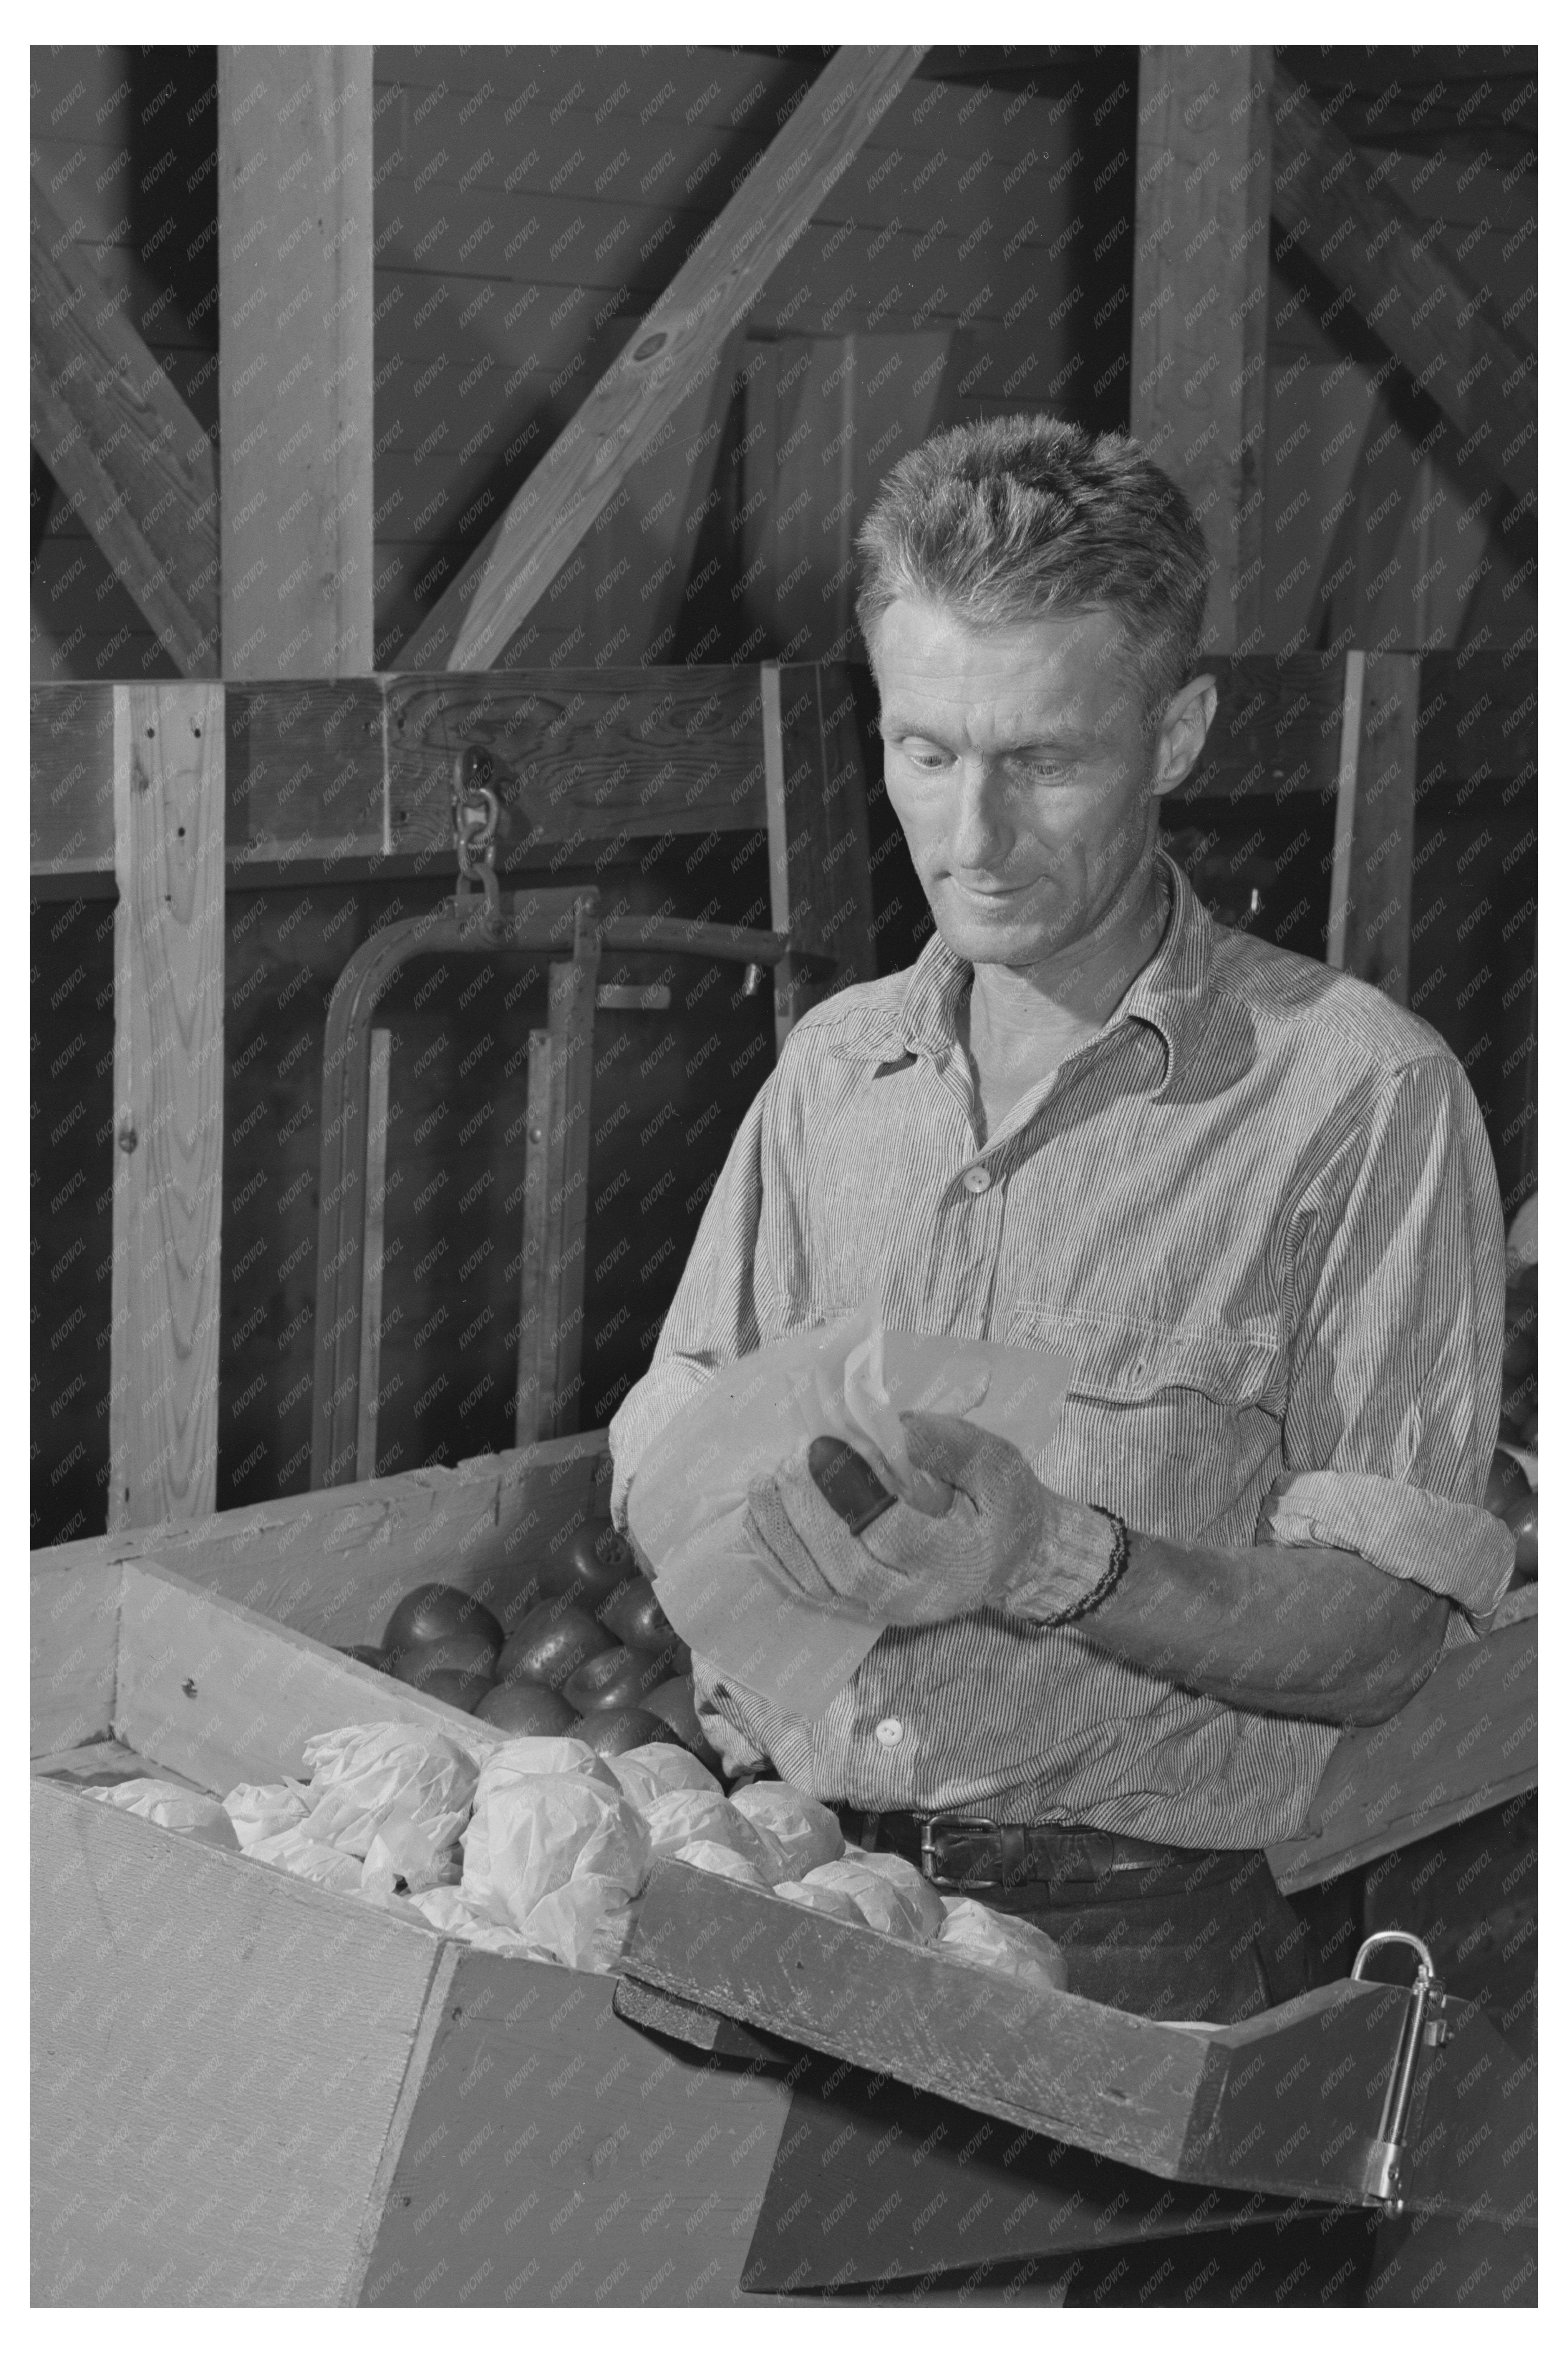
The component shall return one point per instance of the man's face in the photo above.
(1017, 767)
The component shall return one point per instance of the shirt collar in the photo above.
(1166, 996)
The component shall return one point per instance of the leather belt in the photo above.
(970, 1852)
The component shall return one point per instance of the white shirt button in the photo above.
(890, 1732)
(977, 1180)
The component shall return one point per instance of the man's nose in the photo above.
(981, 831)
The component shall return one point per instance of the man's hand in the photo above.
(908, 1568)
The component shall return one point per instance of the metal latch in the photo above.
(1426, 2028)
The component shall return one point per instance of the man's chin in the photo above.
(1010, 934)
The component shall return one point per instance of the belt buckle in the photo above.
(934, 1822)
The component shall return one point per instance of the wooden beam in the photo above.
(121, 444)
(168, 1103)
(295, 387)
(677, 349)
(1200, 306)
(1382, 827)
(1427, 312)
(614, 757)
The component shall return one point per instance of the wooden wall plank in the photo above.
(218, 2054)
(73, 1643)
(1200, 306)
(168, 1098)
(677, 346)
(599, 756)
(71, 774)
(1425, 309)
(1382, 832)
(295, 277)
(119, 440)
(331, 1565)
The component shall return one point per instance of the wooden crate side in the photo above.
(556, 2156)
(74, 1642)
(226, 1696)
(330, 1564)
(219, 2049)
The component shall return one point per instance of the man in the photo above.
(1251, 1200)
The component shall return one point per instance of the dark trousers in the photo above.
(1169, 1932)
(1207, 1936)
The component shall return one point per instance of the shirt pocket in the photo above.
(1130, 1363)
(1177, 1427)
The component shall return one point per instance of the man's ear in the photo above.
(1183, 730)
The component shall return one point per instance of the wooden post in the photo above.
(168, 1103)
(820, 873)
(295, 387)
(1377, 911)
(535, 1406)
(1200, 306)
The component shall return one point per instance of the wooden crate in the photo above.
(248, 2089)
(241, 2080)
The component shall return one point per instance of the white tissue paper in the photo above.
(657, 1771)
(916, 1890)
(831, 1900)
(528, 1760)
(687, 1814)
(173, 1807)
(707, 1855)
(444, 1908)
(980, 1939)
(531, 1834)
(259, 1808)
(363, 1775)
(584, 1925)
(852, 1379)
(807, 1833)
(310, 1858)
(880, 1904)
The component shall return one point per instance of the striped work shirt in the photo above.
(1259, 1213)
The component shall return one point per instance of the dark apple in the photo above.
(588, 1566)
(365, 1652)
(610, 1731)
(618, 1678)
(675, 1704)
(429, 1612)
(553, 1641)
(527, 1710)
(1506, 1485)
(633, 1615)
(1524, 1519)
(432, 1669)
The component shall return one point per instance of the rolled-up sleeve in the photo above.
(712, 1317)
(1396, 1351)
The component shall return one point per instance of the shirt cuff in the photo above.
(1450, 1547)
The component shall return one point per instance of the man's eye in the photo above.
(927, 757)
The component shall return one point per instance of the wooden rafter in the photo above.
(295, 283)
(677, 347)
(1200, 306)
(122, 444)
(1431, 315)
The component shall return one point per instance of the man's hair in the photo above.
(1019, 518)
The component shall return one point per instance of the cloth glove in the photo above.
(908, 1568)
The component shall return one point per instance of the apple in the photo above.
(610, 1731)
(617, 1678)
(525, 1709)
(432, 1667)
(429, 1612)
(674, 1702)
(587, 1566)
(633, 1615)
(551, 1642)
